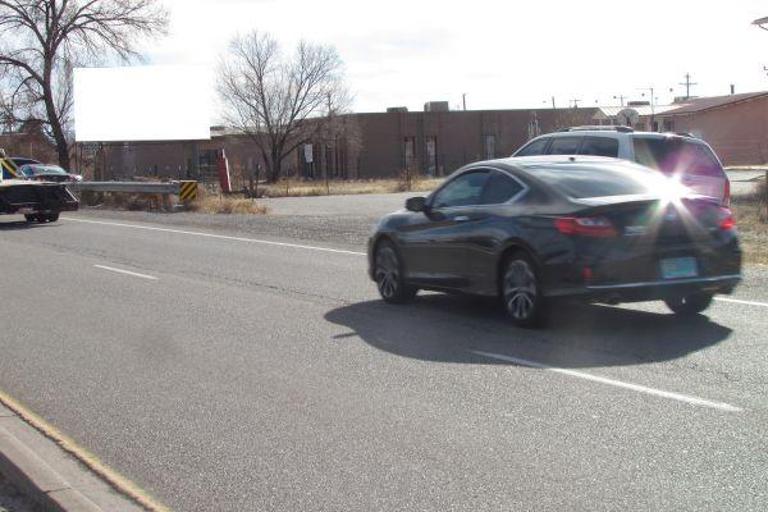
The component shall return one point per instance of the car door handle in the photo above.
(461, 218)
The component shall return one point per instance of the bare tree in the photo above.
(280, 103)
(44, 39)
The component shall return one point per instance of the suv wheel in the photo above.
(689, 304)
(388, 274)
(521, 292)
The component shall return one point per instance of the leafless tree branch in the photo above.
(280, 102)
(49, 38)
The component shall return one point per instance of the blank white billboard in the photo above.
(142, 103)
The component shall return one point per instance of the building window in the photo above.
(431, 160)
(490, 147)
(409, 153)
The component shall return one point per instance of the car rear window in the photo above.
(584, 182)
(676, 156)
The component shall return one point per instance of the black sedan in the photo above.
(537, 229)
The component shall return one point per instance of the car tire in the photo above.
(30, 218)
(388, 274)
(693, 304)
(52, 217)
(521, 292)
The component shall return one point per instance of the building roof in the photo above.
(700, 104)
(643, 110)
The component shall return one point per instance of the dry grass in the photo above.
(752, 220)
(209, 203)
(296, 188)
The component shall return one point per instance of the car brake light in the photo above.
(596, 227)
(727, 222)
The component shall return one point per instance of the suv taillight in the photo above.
(595, 227)
(727, 193)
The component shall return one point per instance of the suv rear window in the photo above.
(676, 156)
(600, 146)
(583, 182)
(536, 147)
(565, 145)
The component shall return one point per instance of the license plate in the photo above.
(678, 268)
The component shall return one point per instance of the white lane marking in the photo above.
(745, 302)
(219, 237)
(611, 382)
(126, 272)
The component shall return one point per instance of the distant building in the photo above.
(434, 142)
(736, 126)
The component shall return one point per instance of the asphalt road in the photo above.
(254, 368)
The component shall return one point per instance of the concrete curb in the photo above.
(49, 476)
(28, 472)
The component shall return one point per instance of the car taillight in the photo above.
(596, 227)
(727, 193)
(727, 222)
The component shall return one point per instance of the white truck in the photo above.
(38, 201)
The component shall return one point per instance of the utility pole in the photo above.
(553, 103)
(688, 85)
(575, 102)
(621, 98)
(464, 100)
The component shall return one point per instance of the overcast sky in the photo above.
(503, 54)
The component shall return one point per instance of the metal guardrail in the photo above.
(128, 187)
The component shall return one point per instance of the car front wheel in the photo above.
(521, 292)
(689, 304)
(389, 275)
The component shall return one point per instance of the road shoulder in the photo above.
(49, 475)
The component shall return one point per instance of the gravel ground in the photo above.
(13, 501)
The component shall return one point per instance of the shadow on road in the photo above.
(448, 328)
(16, 225)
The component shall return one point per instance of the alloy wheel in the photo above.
(387, 272)
(520, 290)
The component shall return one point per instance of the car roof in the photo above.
(527, 165)
(531, 162)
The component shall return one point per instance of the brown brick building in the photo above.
(433, 142)
(736, 126)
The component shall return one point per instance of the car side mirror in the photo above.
(416, 204)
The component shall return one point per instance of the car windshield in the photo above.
(582, 182)
(675, 155)
(41, 170)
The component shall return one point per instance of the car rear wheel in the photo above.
(521, 292)
(52, 217)
(389, 275)
(689, 304)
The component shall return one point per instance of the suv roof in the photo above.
(618, 131)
